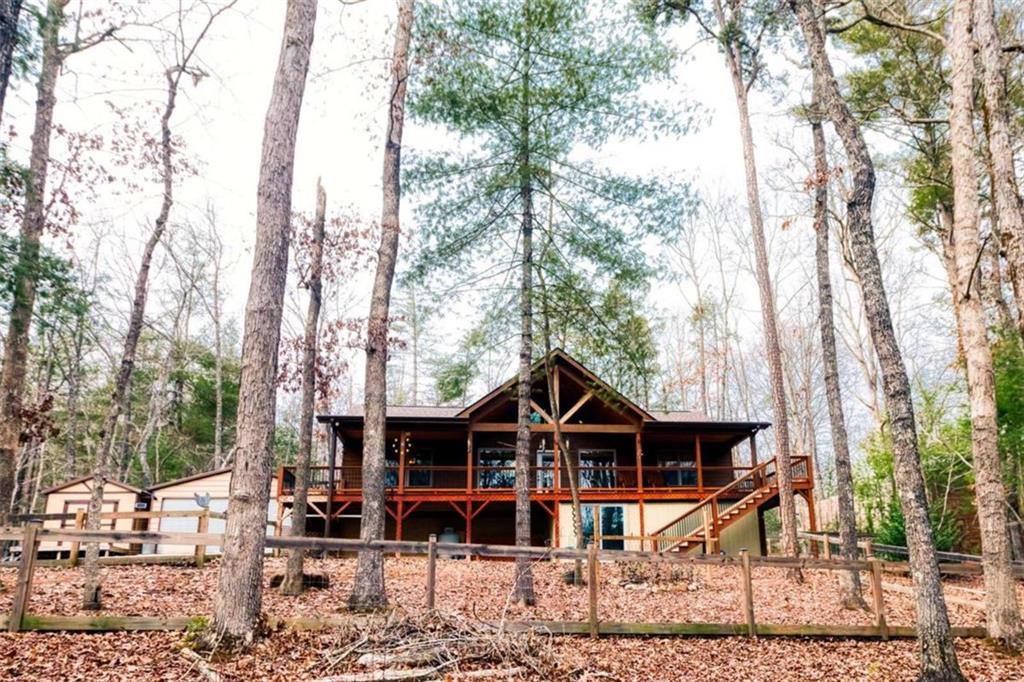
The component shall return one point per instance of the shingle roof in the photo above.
(408, 411)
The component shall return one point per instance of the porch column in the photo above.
(469, 461)
(639, 465)
(700, 466)
(401, 460)
(556, 474)
(753, 449)
(332, 453)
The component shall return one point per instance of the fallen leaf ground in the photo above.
(480, 589)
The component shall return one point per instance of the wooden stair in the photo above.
(703, 524)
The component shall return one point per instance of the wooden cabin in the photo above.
(647, 479)
(71, 496)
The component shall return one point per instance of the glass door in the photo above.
(545, 469)
(597, 469)
(612, 525)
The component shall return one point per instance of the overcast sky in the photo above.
(221, 119)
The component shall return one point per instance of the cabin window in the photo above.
(597, 469)
(678, 472)
(419, 469)
(609, 522)
(496, 468)
(545, 469)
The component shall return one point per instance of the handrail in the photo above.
(715, 495)
(714, 500)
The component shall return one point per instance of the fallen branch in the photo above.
(200, 663)
(386, 675)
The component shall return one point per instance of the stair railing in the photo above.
(693, 520)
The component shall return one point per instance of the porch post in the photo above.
(700, 467)
(398, 519)
(639, 465)
(556, 474)
(332, 453)
(469, 461)
(401, 460)
(753, 449)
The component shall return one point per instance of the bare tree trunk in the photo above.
(292, 583)
(74, 391)
(10, 11)
(938, 657)
(368, 589)
(240, 583)
(122, 395)
(1009, 209)
(23, 297)
(849, 581)
(769, 318)
(523, 591)
(1001, 608)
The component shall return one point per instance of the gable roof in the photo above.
(559, 355)
(83, 479)
(193, 477)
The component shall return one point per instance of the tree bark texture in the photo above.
(938, 657)
(769, 318)
(240, 583)
(292, 583)
(523, 589)
(368, 590)
(849, 581)
(122, 385)
(10, 11)
(1009, 208)
(1001, 609)
(23, 296)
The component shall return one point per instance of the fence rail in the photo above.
(828, 540)
(31, 535)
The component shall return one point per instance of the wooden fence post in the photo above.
(75, 546)
(592, 587)
(26, 569)
(748, 593)
(431, 570)
(204, 526)
(878, 600)
(828, 546)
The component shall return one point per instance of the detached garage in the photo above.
(71, 496)
(191, 494)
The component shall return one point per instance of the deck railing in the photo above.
(546, 478)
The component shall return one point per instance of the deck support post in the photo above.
(469, 526)
(812, 520)
(753, 449)
(643, 533)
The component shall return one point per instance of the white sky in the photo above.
(340, 139)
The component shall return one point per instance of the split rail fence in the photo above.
(32, 534)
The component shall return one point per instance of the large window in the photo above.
(545, 469)
(678, 472)
(419, 470)
(607, 520)
(496, 468)
(597, 469)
